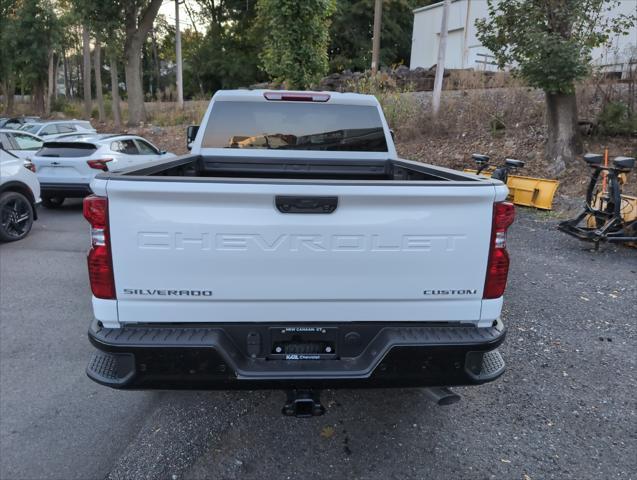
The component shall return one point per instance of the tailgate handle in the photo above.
(290, 204)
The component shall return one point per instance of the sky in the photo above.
(168, 10)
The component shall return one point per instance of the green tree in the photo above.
(225, 54)
(296, 39)
(8, 20)
(549, 44)
(352, 30)
(38, 30)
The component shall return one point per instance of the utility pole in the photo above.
(180, 79)
(86, 73)
(440, 66)
(378, 17)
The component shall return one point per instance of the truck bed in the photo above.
(216, 167)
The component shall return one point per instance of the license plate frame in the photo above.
(303, 343)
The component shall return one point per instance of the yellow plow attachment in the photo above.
(528, 191)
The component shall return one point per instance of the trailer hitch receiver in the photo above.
(303, 404)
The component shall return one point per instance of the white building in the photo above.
(465, 51)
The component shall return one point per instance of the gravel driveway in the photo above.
(565, 408)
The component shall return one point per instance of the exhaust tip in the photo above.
(449, 399)
(442, 396)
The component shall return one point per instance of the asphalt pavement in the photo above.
(565, 408)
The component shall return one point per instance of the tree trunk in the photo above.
(136, 31)
(86, 53)
(117, 115)
(38, 97)
(156, 71)
(56, 72)
(79, 69)
(51, 84)
(67, 85)
(97, 59)
(10, 94)
(134, 87)
(80, 75)
(564, 143)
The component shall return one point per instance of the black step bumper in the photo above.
(241, 356)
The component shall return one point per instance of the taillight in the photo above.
(297, 96)
(100, 263)
(29, 166)
(100, 164)
(498, 266)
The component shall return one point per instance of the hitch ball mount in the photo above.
(303, 404)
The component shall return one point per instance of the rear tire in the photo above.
(16, 216)
(52, 202)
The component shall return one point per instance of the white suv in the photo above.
(66, 166)
(19, 195)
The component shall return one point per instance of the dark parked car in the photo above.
(16, 122)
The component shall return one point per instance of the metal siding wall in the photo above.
(427, 29)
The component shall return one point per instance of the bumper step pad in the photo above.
(111, 368)
(492, 364)
(485, 366)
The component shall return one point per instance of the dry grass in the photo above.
(158, 113)
(165, 114)
(475, 80)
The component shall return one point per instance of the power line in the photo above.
(181, 22)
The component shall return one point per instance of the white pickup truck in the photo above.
(293, 249)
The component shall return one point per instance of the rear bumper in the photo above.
(240, 356)
(69, 190)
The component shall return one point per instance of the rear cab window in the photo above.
(295, 126)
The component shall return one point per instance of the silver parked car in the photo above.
(52, 129)
(16, 122)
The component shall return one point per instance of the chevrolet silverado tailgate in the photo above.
(228, 251)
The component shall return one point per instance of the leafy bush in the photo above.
(296, 40)
(108, 106)
(402, 112)
(70, 109)
(616, 119)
